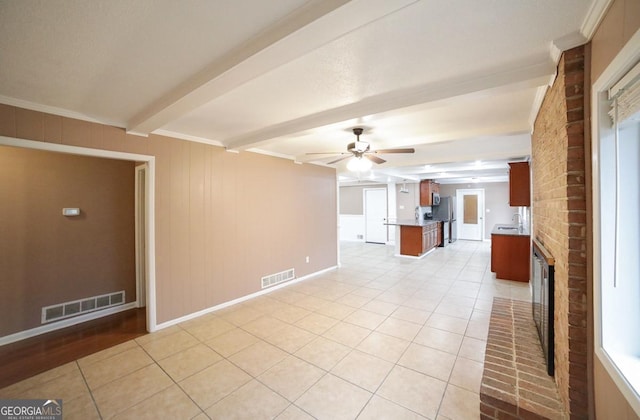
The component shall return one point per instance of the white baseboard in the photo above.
(22, 335)
(419, 257)
(242, 299)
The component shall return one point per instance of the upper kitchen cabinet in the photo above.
(519, 184)
(427, 188)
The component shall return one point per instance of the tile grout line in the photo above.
(410, 283)
(84, 379)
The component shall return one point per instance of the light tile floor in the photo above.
(380, 338)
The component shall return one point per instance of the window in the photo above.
(617, 220)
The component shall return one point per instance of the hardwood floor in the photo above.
(32, 356)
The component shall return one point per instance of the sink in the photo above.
(507, 228)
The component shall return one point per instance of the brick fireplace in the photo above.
(560, 219)
(515, 382)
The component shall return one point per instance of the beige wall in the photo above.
(352, 199)
(620, 23)
(223, 220)
(47, 258)
(610, 404)
(618, 26)
(406, 202)
(496, 202)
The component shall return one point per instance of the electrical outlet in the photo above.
(307, 259)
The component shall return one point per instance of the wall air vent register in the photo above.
(280, 277)
(82, 306)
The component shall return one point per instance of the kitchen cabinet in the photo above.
(427, 188)
(511, 255)
(519, 184)
(416, 240)
(411, 240)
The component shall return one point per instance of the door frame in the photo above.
(149, 236)
(140, 234)
(460, 214)
(364, 208)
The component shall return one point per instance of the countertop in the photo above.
(523, 231)
(411, 222)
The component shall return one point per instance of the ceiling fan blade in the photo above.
(375, 159)
(409, 150)
(326, 153)
(338, 160)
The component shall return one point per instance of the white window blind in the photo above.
(625, 97)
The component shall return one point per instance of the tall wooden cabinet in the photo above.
(519, 184)
(427, 188)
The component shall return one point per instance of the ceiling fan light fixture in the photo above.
(358, 149)
(358, 164)
(358, 146)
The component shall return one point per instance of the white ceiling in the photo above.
(458, 80)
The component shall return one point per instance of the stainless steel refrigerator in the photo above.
(446, 211)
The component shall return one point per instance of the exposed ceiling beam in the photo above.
(493, 82)
(309, 27)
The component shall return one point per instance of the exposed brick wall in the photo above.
(559, 221)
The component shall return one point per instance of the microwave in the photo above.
(435, 199)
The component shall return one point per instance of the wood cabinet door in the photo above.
(411, 240)
(425, 193)
(519, 184)
(434, 235)
(425, 240)
(427, 188)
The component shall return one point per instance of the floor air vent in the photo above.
(276, 278)
(77, 307)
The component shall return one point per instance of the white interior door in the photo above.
(375, 215)
(470, 208)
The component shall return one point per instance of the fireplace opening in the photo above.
(542, 266)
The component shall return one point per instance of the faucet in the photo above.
(519, 217)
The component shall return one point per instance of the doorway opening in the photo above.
(145, 234)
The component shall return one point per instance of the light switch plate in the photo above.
(71, 211)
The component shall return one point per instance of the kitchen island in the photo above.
(511, 252)
(415, 238)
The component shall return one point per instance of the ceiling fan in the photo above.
(360, 149)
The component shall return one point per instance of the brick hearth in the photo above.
(515, 384)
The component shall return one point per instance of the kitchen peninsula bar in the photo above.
(415, 238)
